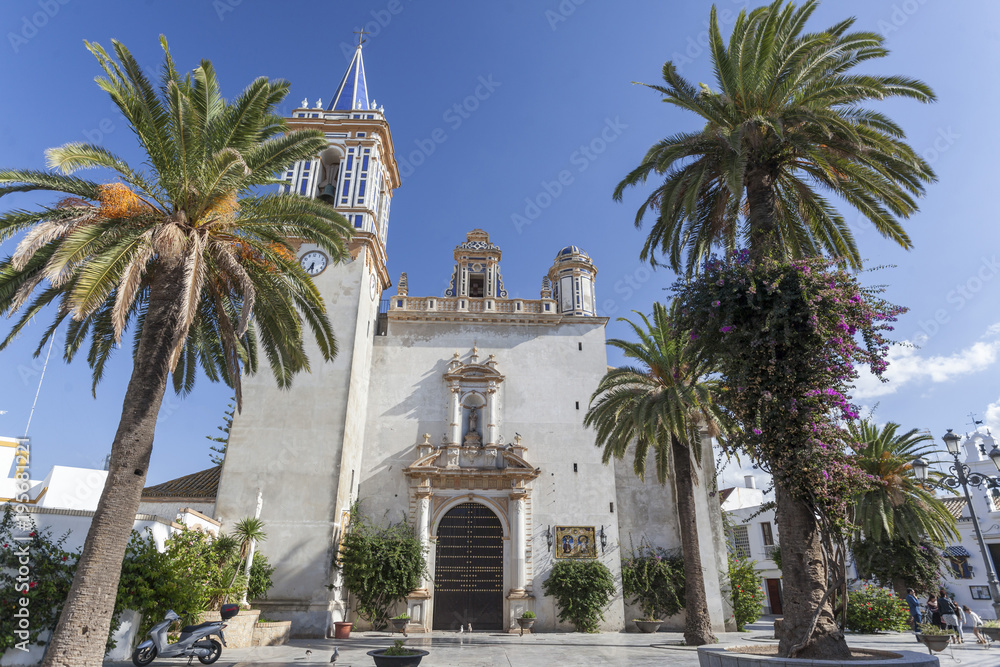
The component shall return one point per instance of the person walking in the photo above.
(976, 621)
(933, 615)
(949, 617)
(914, 604)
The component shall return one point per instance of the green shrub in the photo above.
(381, 564)
(653, 578)
(528, 614)
(45, 587)
(872, 609)
(582, 589)
(260, 578)
(745, 591)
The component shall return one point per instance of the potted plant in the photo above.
(399, 623)
(342, 629)
(381, 563)
(992, 630)
(654, 580)
(526, 621)
(397, 655)
(934, 638)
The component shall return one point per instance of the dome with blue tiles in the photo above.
(573, 252)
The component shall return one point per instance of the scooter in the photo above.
(195, 640)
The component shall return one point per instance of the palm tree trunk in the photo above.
(804, 579)
(763, 237)
(80, 636)
(697, 622)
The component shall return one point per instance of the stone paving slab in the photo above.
(482, 649)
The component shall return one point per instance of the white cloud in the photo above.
(993, 416)
(992, 331)
(907, 365)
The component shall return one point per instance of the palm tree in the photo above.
(189, 253)
(898, 510)
(898, 506)
(789, 123)
(658, 405)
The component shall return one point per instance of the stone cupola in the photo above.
(477, 269)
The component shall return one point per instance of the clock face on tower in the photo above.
(373, 287)
(314, 262)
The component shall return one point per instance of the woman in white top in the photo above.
(977, 622)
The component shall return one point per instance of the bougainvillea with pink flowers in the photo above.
(790, 339)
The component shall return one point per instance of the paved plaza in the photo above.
(483, 649)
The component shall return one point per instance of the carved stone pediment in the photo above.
(496, 463)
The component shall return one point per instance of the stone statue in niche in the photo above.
(473, 438)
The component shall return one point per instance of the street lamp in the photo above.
(963, 476)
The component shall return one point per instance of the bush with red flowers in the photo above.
(874, 609)
(34, 569)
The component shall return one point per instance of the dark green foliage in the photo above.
(874, 609)
(582, 589)
(397, 648)
(916, 564)
(745, 591)
(220, 452)
(381, 564)
(49, 575)
(653, 578)
(260, 578)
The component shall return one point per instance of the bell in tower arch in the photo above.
(327, 187)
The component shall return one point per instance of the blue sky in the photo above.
(554, 95)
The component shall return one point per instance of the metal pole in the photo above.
(991, 574)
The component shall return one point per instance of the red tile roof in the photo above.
(202, 486)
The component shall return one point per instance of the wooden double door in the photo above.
(468, 571)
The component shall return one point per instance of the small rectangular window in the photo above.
(370, 116)
(315, 115)
(362, 134)
(361, 188)
(765, 530)
(574, 468)
(612, 508)
(581, 346)
(578, 405)
(350, 162)
(347, 187)
(364, 163)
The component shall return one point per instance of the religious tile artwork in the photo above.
(575, 542)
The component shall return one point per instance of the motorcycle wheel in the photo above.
(214, 655)
(143, 656)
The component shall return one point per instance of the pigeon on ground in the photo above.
(470, 627)
(461, 629)
(308, 653)
(336, 654)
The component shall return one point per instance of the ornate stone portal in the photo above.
(473, 465)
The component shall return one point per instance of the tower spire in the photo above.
(352, 93)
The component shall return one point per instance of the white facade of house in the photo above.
(754, 534)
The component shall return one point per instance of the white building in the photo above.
(754, 534)
(966, 571)
(461, 413)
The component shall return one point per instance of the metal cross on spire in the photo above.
(976, 423)
(361, 33)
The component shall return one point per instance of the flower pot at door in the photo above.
(342, 629)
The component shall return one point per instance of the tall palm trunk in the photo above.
(697, 622)
(804, 580)
(81, 634)
(764, 239)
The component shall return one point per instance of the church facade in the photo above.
(461, 414)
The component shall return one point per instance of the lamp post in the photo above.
(963, 476)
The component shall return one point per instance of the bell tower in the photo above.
(357, 172)
(302, 448)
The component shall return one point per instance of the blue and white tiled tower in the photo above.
(573, 275)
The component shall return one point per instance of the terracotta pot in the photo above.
(648, 626)
(382, 660)
(525, 624)
(342, 629)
